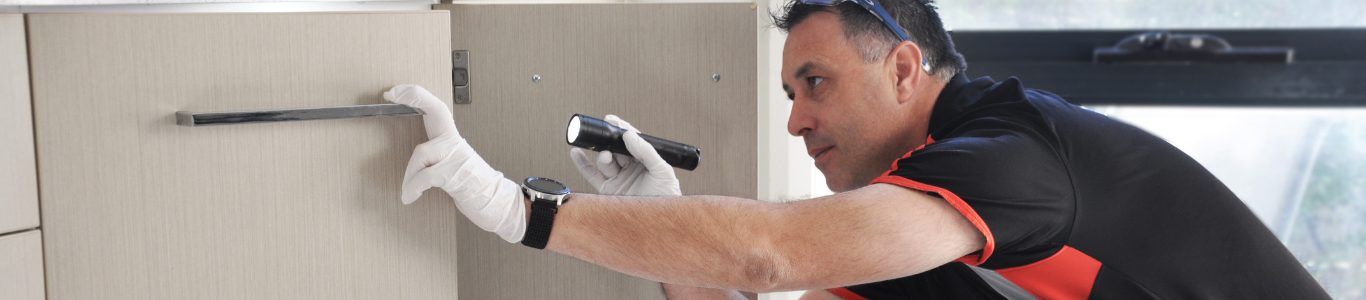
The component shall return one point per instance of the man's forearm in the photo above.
(704, 241)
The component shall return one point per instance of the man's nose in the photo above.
(799, 122)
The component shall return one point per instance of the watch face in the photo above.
(545, 185)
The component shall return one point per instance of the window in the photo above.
(1289, 138)
(1150, 14)
(1301, 171)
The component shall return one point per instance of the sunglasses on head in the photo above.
(873, 7)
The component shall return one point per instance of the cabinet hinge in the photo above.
(460, 75)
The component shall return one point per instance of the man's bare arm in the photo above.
(870, 234)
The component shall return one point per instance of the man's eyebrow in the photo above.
(802, 71)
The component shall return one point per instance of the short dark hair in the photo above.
(917, 17)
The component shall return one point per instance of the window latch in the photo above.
(1187, 48)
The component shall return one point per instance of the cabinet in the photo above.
(18, 180)
(21, 266)
(135, 206)
(138, 207)
(651, 64)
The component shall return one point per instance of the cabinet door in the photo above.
(21, 266)
(18, 182)
(651, 64)
(138, 207)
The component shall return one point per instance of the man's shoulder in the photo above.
(999, 107)
(984, 107)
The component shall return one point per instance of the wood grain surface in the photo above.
(18, 180)
(21, 266)
(651, 64)
(137, 207)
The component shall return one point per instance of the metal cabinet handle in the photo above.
(186, 118)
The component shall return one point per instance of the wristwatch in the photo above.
(545, 195)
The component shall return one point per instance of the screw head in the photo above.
(715, 77)
(536, 78)
(458, 56)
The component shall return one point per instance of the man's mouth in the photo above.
(816, 152)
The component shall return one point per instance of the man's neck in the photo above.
(925, 108)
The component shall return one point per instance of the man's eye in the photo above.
(813, 81)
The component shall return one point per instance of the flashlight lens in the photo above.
(573, 133)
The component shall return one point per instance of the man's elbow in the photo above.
(765, 265)
(765, 270)
(757, 274)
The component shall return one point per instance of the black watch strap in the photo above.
(538, 227)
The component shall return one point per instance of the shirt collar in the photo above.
(947, 106)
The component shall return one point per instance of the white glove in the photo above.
(613, 174)
(490, 201)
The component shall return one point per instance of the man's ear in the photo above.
(906, 59)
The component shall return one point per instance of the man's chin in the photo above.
(838, 182)
(844, 183)
(838, 186)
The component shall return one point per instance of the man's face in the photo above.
(844, 108)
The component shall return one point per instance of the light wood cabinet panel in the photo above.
(21, 266)
(137, 207)
(651, 64)
(18, 182)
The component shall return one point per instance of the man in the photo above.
(1060, 202)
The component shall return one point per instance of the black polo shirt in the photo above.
(1075, 205)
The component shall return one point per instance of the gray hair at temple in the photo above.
(861, 27)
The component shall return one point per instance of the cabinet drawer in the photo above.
(21, 266)
(18, 182)
(138, 207)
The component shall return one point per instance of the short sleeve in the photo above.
(1006, 179)
(950, 281)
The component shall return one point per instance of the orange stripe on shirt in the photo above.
(846, 294)
(1068, 274)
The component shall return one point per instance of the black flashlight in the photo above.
(598, 135)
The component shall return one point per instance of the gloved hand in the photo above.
(644, 175)
(490, 201)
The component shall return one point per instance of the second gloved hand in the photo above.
(647, 174)
(489, 200)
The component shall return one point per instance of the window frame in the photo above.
(1328, 68)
